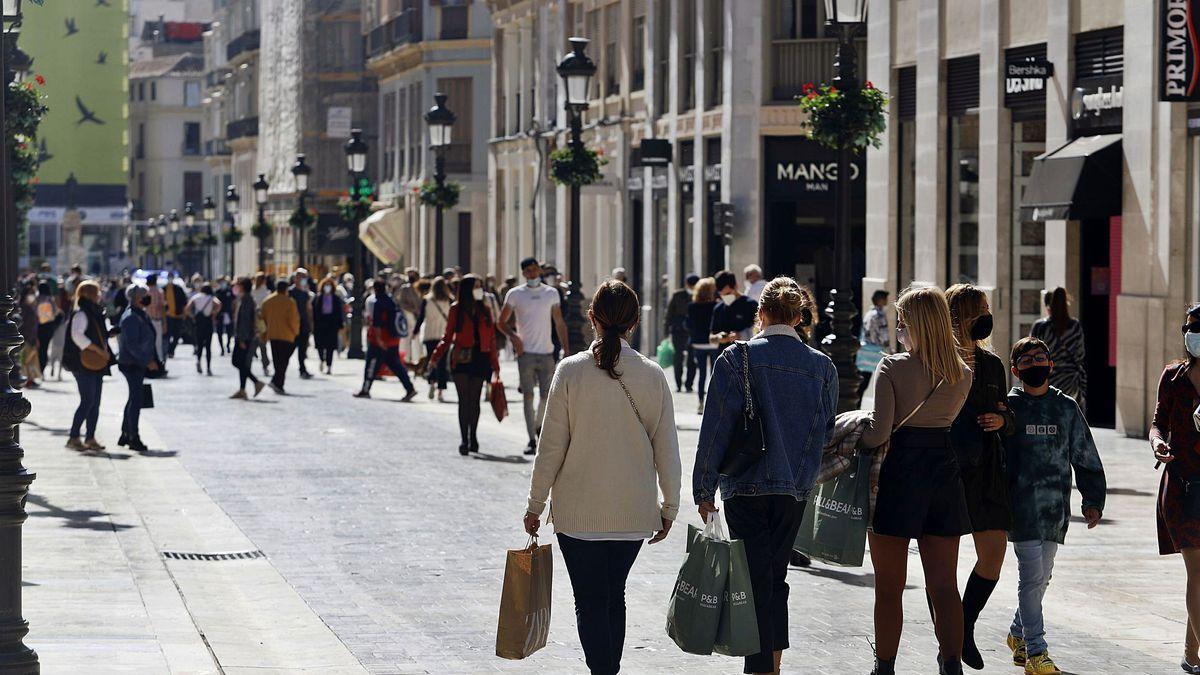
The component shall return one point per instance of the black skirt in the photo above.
(986, 485)
(480, 365)
(920, 488)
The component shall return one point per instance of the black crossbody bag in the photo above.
(746, 446)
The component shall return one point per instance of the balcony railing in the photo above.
(214, 147)
(247, 126)
(796, 62)
(404, 29)
(246, 42)
(215, 78)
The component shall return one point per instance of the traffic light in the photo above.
(724, 221)
(362, 188)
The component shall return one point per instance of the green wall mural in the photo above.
(80, 47)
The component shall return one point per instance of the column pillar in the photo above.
(882, 174)
(929, 259)
(741, 142)
(1062, 237)
(995, 169)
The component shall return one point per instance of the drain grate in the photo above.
(235, 555)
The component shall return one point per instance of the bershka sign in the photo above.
(1179, 67)
(1027, 75)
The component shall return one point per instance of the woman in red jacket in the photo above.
(471, 338)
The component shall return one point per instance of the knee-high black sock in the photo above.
(975, 596)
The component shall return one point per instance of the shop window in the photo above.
(687, 50)
(455, 24)
(662, 54)
(797, 20)
(637, 52)
(1028, 275)
(906, 201)
(714, 47)
(963, 209)
(191, 138)
(612, 66)
(458, 93)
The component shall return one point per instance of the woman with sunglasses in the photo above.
(1175, 438)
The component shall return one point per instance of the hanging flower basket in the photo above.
(24, 109)
(208, 240)
(574, 166)
(175, 248)
(190, 243)
(261, 230)
(302, 218)
(354, 210)
(852, 118)
(445, 196)
(233, 235)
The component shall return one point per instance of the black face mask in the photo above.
(145, 301)
(1034, 376)
(982, 328)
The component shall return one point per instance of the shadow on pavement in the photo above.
(1130, 492)
(158, 453)
(507, 459)
(57, 431)
(75, 519)
(105, 455)
(849, 578)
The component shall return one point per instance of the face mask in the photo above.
(145, 301)
(552, 279)
(902, 338)
(533, 283)
(224, 285)
(982, 328)
(477, 294)
(303, 283)
(1192, 341)
(327, 290)
(1034, 376)
(728, 299)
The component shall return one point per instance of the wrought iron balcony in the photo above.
(246, 42)
(245, 127)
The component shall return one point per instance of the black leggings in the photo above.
(470, 389)
(243, 359)
(204, 333)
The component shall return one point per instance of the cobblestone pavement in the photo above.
(397, 542)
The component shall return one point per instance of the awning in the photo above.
(1079, 180)
(382, 233)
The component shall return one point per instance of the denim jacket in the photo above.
(136, 341)
(795, 390)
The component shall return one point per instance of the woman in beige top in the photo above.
(920, 492)
(608, 447)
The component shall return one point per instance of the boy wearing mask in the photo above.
(1051, 437)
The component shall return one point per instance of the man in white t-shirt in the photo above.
(755, 283)
(537, 309)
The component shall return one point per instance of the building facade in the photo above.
(416, 48)
(1020, 158)
(726, 129)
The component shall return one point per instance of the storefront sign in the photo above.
(1180, 50)
(1097, 103)
(1027, 75)
(337, 121)
(655, 152)
(798, 168)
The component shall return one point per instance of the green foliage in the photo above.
(261, 229)
(233, 235)
(445, 196)
(24, 109)
(853, 118)
(302, 218)
(576, 165)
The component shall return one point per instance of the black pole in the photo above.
(262, 236)
(439, 175)
(357, 270)
(300, 234)
(576, 120)
(208, 247)
(841, 344)
(15, 656)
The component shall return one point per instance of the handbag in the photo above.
(747, 446)
(147, 396)
(498, 399)
(93, 361)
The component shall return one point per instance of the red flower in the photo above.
(40, 80)
(869, 85)
(808, 86)
(812, 95)
(833, 90)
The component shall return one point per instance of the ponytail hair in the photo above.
(615, 311)
(785, 301)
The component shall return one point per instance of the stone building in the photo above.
(713, 83)
(416, 48)
(1019, 157)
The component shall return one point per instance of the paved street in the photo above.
(383, 546)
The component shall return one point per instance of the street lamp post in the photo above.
(301, 171)
(161, 230)
(173, 226)
(189, 221)
(15, 656)
(440, 121)
(576, 69)
(356, 163)
(209, 211)
(844, 19)
(260, 198)
(231, 202)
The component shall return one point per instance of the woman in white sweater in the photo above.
(608, 448)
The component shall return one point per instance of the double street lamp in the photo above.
(15, 656)
(440, 120)
(301, 171)
(262, 228)
(576, 70)
(231, 234)
(356, 163)
(209, 211)
(844, 19)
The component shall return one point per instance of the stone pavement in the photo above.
(395, 543)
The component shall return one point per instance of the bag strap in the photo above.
(747, 390)
(632, 404)
(917, 409)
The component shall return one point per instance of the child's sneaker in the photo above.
(1017, 645)
(1041, 664)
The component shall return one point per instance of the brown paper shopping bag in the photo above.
(525, 601)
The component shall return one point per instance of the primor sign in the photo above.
(1179, 45)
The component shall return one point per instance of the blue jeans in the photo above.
(706, 359)
(89, 402)
(134, 377)
(598, 572)
(1035, 563)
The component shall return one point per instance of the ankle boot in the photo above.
(975, 596)
(884, 667)
(951, 667)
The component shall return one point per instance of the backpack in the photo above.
(400, 324)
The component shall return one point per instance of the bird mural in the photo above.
(86, 115)
(102, 3)
(102, 58)
(44, 154)
(69, 22)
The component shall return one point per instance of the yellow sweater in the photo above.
(281, 316)
(602, 469)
